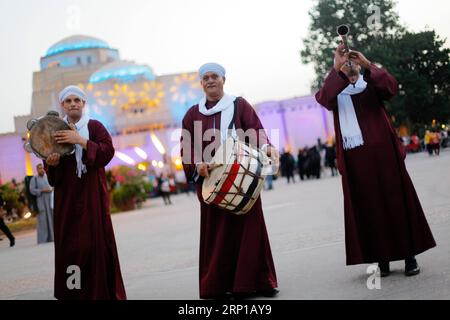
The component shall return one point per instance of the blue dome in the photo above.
(76, 43)
(123, 71)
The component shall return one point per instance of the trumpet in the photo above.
(343, 30)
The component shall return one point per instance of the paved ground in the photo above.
(158, 246)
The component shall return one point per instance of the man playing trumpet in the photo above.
(384, 220)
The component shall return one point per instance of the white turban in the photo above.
(72, 90)
(211, 67)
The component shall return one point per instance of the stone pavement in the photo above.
(158, 245)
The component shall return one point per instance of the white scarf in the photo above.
(226, 108)
(83, 130)
(351, 133)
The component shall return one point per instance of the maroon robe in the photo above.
(84, 233)
(235, 254)
(384, 220)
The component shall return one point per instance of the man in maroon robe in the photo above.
(384, 220)
(235, 254)
(86, 260)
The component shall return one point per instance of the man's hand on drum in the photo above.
(70, 136)
(203, 169)
(53, 159)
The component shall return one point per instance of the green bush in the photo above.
(130, 188)
(11, 197)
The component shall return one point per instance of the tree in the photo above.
(421, 64)
(368, 31)
(419, 61)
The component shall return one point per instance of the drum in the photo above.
(41, 139)
(237, 178)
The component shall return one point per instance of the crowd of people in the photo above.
(432, 141)
(309, 163)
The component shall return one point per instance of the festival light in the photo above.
(178, 164)
(125, 158)
(141, 153)
(157, 143)
(27, 215)
(160, 164)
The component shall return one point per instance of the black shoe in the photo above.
(270, 293)
(12, 242)
(411, 267)
(384, 269)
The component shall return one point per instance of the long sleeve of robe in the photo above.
(84, 235)
(235, 254)
(384, 220)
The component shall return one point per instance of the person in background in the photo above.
(40, 188)
(3, 226)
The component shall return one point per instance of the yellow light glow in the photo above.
(178, 164)
(157, 143)
(28, 165)
(142, 167)
(27, 215)
(160, 164)
(155, 163)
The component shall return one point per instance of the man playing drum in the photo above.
(86, 260)
(235, 255)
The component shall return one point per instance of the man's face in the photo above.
(40, 170)
(212, 84)
(73, 106)
(352, 71)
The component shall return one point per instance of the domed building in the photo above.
(125, 96)
(139, 108)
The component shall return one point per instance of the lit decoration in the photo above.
(185, 91)
(178, 164)
(155, 163)
(183, 88)
(160, 164)
(28, 165)
(149, 96)
(122, 71)
(142, 167)
(125, 158)
(76, 43)
(27, 215)
(157, 143)
(141, 153)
